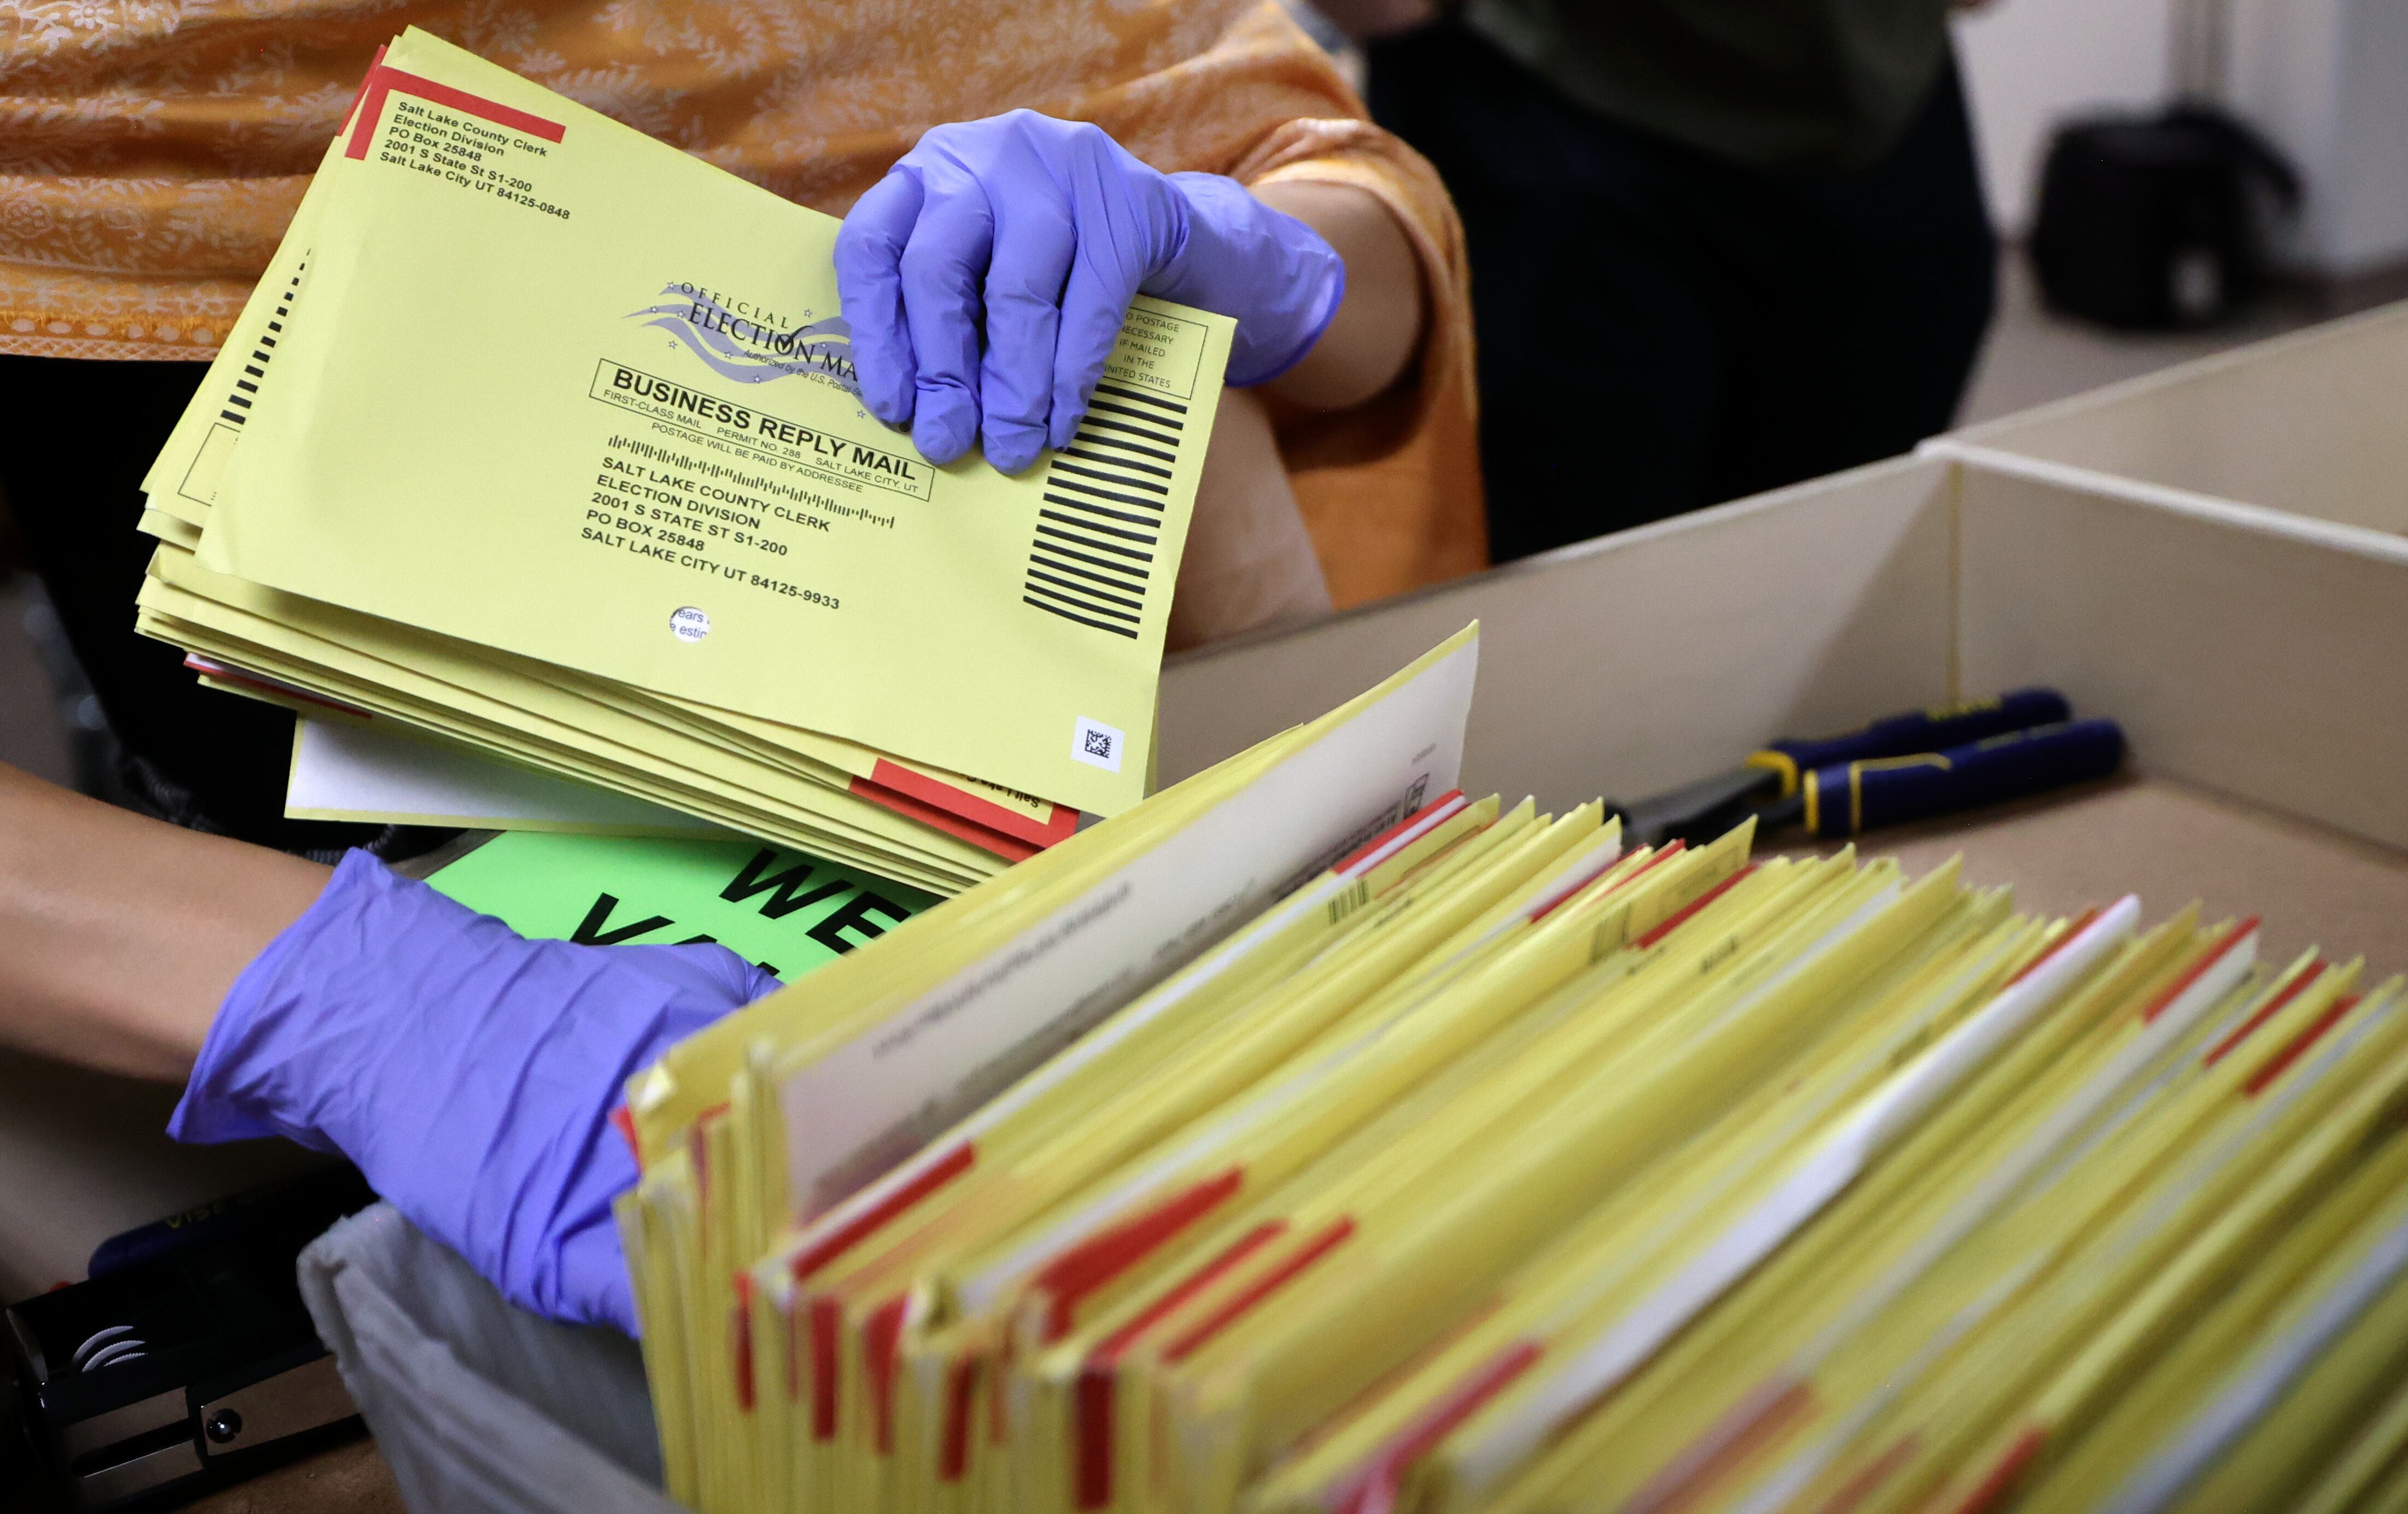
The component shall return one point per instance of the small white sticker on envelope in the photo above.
(1096, 744)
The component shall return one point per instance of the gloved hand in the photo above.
(1034, 234)
(469, 1071)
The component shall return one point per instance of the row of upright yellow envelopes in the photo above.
(541, 437)
(1317, 1137)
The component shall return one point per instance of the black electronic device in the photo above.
(187, 1360)
(2151, 222)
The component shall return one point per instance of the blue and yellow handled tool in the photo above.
(1906, 767)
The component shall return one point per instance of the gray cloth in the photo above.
(476, 1405)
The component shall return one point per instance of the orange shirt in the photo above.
(152, 154)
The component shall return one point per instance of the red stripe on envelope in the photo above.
(1609, 865)
(881, 1345)
(1360, 853)
(1373, 1491)
(1679, 916)
(1010, 848)
(1869, 1478)
(827, 1322)
(954, 1461)
(1093, 1456)
(382, 82)
(2009, 1470)
(1260, 1289)
(1706, 1467)
(2072, 931)
(951, 1165)
(2198, 969)
(225, 675)
(352, 110)
(979, 812)
(1580, 887)
(2300, 1044)
(1094, 1262)
(739, 1321)
(2267, 1011)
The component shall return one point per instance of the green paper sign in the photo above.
(787, 911)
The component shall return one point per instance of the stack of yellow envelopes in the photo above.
(1477, 1163)
(541, 436)
(1107, 954)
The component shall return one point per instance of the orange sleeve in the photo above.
(1390, 489)
(153, 158)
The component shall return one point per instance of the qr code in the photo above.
(1096, 744)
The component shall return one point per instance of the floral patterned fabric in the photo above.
(152, 153)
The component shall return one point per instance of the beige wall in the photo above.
(2028, 63)
(2320, 78)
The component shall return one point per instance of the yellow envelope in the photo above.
(563, 390)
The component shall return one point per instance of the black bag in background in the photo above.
(2156, 222)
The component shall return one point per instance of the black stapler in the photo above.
(186, 1360)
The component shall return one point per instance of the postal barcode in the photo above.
(237, 403)
(1093, 557)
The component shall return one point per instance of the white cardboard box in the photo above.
(2207, 555)
(2212, 556)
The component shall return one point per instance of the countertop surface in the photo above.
(349, 1478)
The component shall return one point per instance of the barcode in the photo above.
(237, 404)
(1093, 557)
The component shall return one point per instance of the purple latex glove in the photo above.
(469, 1071)
(986, 276)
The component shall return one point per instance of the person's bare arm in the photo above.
(1249, 562)
(1379, 324)
(119, 935)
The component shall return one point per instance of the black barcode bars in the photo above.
(1093, 556)
(238, 406)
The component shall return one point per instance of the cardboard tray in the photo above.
(2212, 556)
(2308, 425)
(2209, 555)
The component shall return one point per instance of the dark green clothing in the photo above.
(1768, 83)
